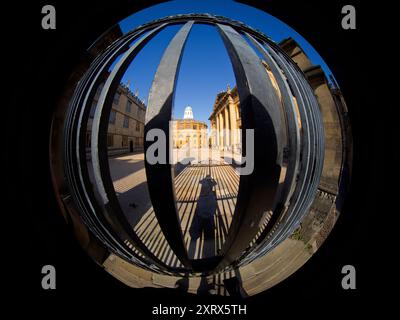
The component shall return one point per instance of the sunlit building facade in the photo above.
(126, 122)
(225, 118)
(188, 132)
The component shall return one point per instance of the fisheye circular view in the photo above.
(208, 151)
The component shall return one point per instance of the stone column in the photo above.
(238, 132)
(217, 132)
(221, 131)
(227, 126)
(233, 122)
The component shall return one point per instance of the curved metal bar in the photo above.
(260, 111)
(100, 165)
(158, 115)
(312, 153)
(293, 150)
(269, 241)
(77, 170)
(292, 124)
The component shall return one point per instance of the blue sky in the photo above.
(205, 68)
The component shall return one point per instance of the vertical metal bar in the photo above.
(158, 115)
(260, 110)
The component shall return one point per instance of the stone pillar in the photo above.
(238, 131)
(212, 131)
(233, 122)
(221, 131)
(227, 126)
(217, 132)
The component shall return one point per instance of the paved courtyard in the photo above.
(200, 189)
(206, 198)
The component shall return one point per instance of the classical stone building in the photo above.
(188, 132)
(126, 122)
(226, 122)
(225, 118)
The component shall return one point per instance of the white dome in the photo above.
(188, 113)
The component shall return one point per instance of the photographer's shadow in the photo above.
(203, 225)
